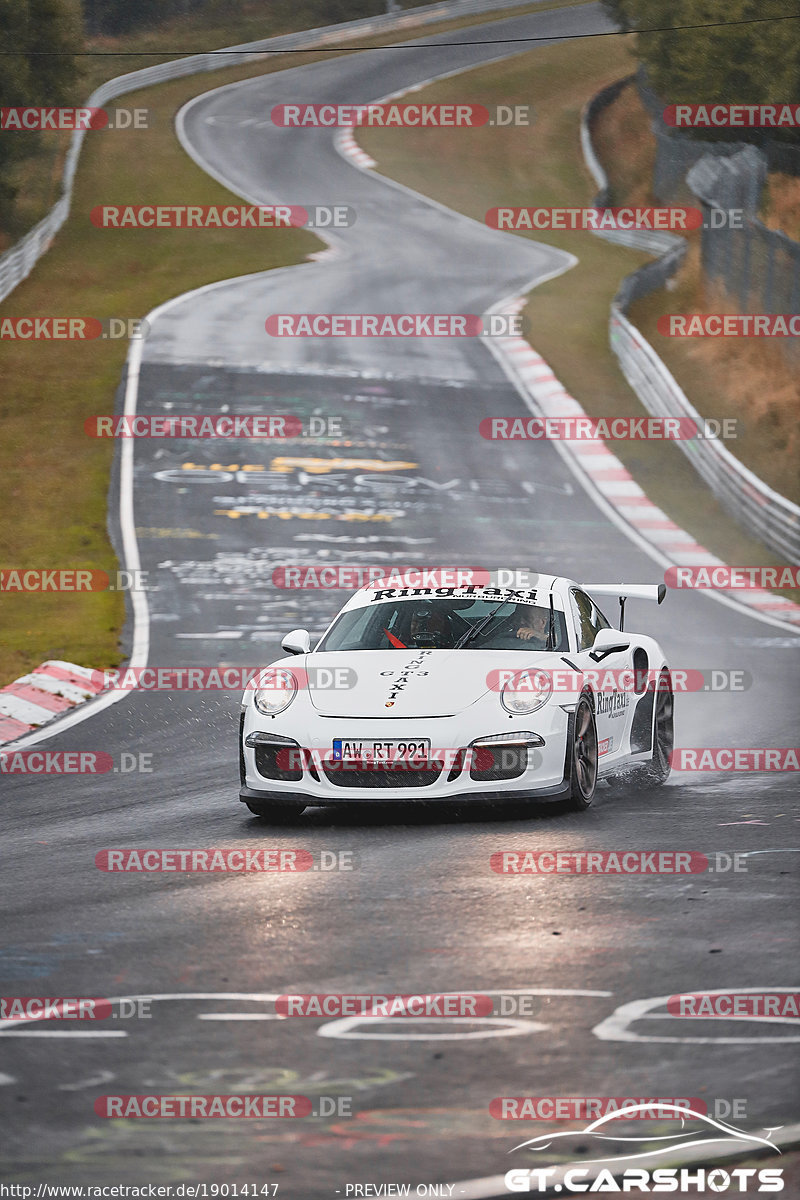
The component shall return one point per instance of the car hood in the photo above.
(413, 683)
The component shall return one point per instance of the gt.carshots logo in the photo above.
(398, 116)
(591, 219)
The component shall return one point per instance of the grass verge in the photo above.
(566, 318)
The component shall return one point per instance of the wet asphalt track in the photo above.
(421, 910)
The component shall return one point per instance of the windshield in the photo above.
(442, 624)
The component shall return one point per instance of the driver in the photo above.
(429, 625)
(533, 627)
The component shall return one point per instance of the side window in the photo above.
(588, 618)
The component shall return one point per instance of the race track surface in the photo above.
(421, 910)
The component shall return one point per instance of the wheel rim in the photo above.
(664, 729)
(585, 749)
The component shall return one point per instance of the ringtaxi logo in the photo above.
(439, 1004)
(744, 325)
(732, 116)
(594, 219)
(76, 329)
(615, 862)
(723, 577)
(71, 579)
(354, 577)
(735, 758)
(195, 1108)
(579, 429)
(399, 116)
(783, 1005)
(73, 762)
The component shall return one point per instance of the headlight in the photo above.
(526, 692)
(275, 691)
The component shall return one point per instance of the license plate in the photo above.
(373, 753)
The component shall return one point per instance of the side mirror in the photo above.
(608, 641)
(297, 642)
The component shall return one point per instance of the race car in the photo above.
(471, 692)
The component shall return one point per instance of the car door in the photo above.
(613, 706)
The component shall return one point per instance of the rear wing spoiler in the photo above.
(629, 591)
(625, 591)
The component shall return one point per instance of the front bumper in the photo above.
(543, 773)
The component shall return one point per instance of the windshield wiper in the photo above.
(551, 631)
(476, 629)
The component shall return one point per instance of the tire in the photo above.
(583, 755)
(657, 770)
(276, 812)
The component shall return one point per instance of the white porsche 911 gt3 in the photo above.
(458, 693)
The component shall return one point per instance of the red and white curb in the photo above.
(348, 147)
(614, 482)
(50, 690)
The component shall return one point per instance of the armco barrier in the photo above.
(18, 262)
(766, 514)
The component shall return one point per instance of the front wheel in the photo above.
(657, 770)
(583, 755)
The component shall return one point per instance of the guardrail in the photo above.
(762, 511)
(18, 262)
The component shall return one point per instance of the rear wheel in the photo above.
(657, 770)
(583, 755)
